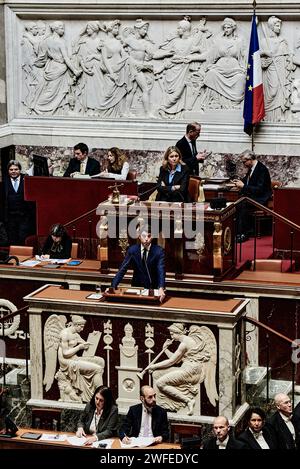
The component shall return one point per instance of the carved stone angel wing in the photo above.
(209, 367)
(53, 327)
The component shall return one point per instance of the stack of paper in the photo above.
(139, 441)
(51, 437)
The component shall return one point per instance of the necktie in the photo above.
(147, 424)
(16, 185)
(145, 253)
(82, 167)
(248, 176)
(194, 151)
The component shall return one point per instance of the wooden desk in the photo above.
(21, 443)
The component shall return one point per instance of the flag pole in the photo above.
(252, 135)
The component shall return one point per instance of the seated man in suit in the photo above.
(256, 185)
(222, 438)
(187, 146)
(82, 163)
(284, 423)
(148, 263)
(146, 419)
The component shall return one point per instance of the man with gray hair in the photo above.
(256, 185)
(284, 424)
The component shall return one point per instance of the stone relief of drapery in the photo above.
(112, 69)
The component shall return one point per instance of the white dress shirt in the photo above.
(259, 437)
(146, 424)
(222, 444)
(289, 424)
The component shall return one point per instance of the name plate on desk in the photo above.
(132, 294)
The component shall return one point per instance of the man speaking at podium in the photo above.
(148, 263)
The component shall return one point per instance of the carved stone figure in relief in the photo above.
(78, 376)
(295, 98)
(42, 30)
(277, 66)
(115, 70)
(90, 87)
(226, 69)
(141, 52)
(178, 386)
(29, 49)
(59, 73)
(202, 39)
(177, 69)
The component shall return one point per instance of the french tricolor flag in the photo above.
(254, 108)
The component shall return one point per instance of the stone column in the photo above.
(36, 356)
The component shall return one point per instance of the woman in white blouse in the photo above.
(99, 419)
(118, 165)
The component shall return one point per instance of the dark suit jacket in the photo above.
(24, 206)
(284, 437)
(251, 443)
(133, 420)
(180, 179)
(155, 264)
(259, 185)
(233, 443)
(92, 167)
(107, 427)
(187, 156)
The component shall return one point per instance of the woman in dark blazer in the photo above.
(173, 179)
(58, 245)
(257, 435)
(99, 419)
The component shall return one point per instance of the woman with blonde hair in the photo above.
(173, 179)
(118, 165)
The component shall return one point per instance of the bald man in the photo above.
(146, 419)
(223, 438)
(284, 424)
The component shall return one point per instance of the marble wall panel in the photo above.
(284, 168)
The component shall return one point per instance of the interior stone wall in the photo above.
(147, 163)
(173, 74)
(2, 69)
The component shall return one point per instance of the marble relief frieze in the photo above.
(153, 69)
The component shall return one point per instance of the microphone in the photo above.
(149, 190)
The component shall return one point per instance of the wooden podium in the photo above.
(134, 294)
(210, 253)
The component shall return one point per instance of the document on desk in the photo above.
(60, 261)
(138, 442)
(133, 291)
(74, 441)
(53, 437)
(30, 263)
